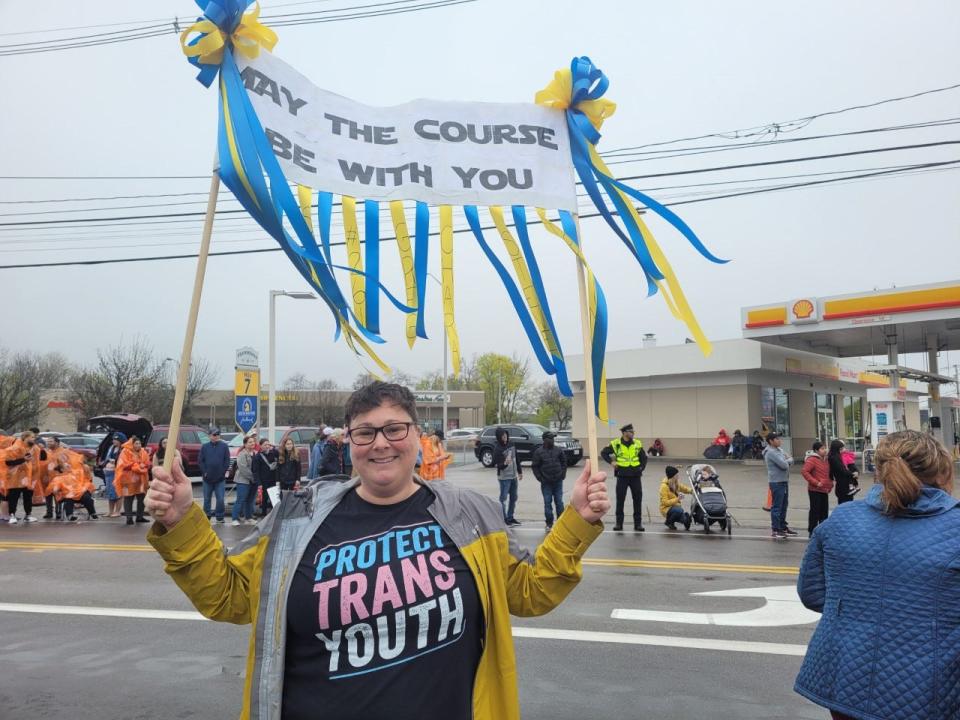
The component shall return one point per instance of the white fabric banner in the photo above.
(442, 153)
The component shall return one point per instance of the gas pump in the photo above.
(887, 412)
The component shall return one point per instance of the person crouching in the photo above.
(670, 505)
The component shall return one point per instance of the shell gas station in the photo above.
(892, 323)
(813, 368)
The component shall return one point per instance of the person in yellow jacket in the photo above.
(132, 477)
(670, 506)
(18, 475)
(380, 592)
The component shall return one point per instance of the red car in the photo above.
(192, 438)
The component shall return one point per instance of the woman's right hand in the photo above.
(170, 493)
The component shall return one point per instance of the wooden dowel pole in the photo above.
(590, 402)
(183, 371)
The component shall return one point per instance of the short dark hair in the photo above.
(817, 445)
(372, 396)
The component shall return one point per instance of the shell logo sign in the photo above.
(803, 311)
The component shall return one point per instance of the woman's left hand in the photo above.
(589, 496)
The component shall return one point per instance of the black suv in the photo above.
(526, 437)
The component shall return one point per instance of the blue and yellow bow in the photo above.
(225, 23)
(578, 91)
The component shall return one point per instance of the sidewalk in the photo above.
(745, 483)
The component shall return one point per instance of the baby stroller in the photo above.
(708, 504)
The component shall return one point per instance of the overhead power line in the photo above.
(158, 258)
(353, 12)
(122, 218)
(795, 124)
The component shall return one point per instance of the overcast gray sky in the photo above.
(677, 69)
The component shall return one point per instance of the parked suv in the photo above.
(526, 437)
(192, 437)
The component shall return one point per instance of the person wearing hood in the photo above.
(549, 465)
(316, 451)
(722, 439)
(133, 472)
(670, 506)
(71, 482)
(886, 645)
(18, 477)
(509, 474)
(58, 462)
(816, 472)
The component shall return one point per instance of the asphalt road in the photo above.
(588, 658)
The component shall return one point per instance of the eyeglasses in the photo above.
(366, 435)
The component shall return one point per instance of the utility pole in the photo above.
(499, 398)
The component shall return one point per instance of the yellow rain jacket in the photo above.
(249, 583)
(668, 498)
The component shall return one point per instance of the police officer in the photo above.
(629, 461)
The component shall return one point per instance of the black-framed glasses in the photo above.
(365, 435)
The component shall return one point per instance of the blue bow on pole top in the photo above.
(225, 24)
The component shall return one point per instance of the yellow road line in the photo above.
(600, 562)
(710, 567)
(39, 546)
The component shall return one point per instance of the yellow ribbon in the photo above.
(591, 303)
(446, 284)
(247, 39)
(558, 93)
(406, 262)
(354, 258)
(670, 286)
(305, 199)
(526, 282)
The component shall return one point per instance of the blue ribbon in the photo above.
(420, 258)
(226, 15)
(520, 222)
(371, 225)
(590, 83)
(543, 357)
(599, 341)
(269, 205)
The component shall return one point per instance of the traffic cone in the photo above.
(769, 503)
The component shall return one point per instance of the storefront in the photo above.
(675, 394)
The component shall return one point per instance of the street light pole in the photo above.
(272, 363)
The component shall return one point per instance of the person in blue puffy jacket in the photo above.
(885, 574)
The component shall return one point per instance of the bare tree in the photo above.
(301, 411)
(362, 380)
(330, 402)
(131, 378)
(23, 378)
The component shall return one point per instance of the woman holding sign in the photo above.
(370, 590)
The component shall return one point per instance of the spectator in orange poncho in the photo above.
(58, 461)
(71, 481)
(430, 462)
(445, 457)
(132, 477)
(18, 476)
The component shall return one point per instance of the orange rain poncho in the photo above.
(68, 474)
(429, 470)
(21, 474)
(133, 471)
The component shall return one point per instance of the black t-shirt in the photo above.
(383, 618)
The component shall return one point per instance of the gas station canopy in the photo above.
(913, 319)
